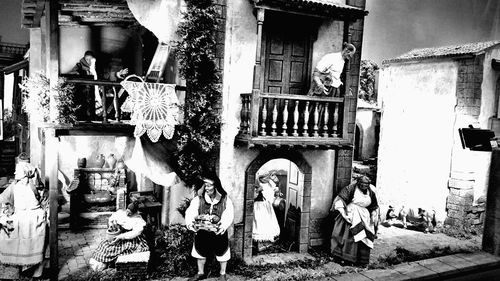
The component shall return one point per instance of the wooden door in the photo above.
(287, 55)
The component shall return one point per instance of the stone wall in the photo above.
(467, 167)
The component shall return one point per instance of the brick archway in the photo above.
(304, 167)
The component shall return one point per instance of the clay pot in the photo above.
(82, 162)
(100, 161)
(111, 161)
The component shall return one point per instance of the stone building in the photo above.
(266, 50)
(427, 95)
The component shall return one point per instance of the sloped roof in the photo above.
(318, 7)
(445, 51)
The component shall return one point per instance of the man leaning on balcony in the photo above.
(326, 75)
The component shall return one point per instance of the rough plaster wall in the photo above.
(72, 148)
(416, 134)
(239, 59)
(366, 118)
(329, 40)
(105, 42)
(322, 163)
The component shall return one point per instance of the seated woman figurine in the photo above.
(130, 240)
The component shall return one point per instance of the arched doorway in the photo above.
(296, 219)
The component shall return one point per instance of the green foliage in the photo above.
(36, 99)
(367, 91)
(198, 137)
(173, 248)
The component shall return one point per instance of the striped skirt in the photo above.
(107, 252)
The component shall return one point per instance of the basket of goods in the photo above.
(113, 231)
(207, 222)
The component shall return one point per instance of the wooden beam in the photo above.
(51, 158)
(52, 45)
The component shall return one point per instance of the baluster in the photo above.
(325, 124)
(285, 119)
(116, 105)
(247, 112)
(104, 107)
(306, 120)
(296, 119)
(243, 125)
(335, 120)
(316, 119)
(275, 117)
(264, 117)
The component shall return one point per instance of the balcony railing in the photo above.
(291, 120)
(112, 96)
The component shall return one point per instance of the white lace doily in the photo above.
(154, 108)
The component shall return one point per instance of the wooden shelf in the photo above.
(92, 129)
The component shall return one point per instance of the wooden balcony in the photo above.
(111, 121)
(269, 119)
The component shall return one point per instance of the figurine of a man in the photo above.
(326, 75)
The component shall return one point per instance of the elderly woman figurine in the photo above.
(22, 233)
(353, 232)
(130, 239)
(213, 204)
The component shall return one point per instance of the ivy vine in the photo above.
(198, 137)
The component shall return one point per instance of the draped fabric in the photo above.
(153, 160)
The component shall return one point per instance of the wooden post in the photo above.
(52, 45)
(257, 72)
(254, 116)
(104, 106)
(51, 158)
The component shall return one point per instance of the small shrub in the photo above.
(174, 251)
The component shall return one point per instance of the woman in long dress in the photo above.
(130, 240)
(265, 224)
(353, 232)
(23, 232)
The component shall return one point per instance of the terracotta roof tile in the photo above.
(445, 51)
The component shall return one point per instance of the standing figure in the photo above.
(130, 240)
(87, 97)
(326, 81)
(23, 232)
(266, 228)
(326, 75)
(354, 227)
(211, 202)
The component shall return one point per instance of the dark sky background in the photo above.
(392, 27)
